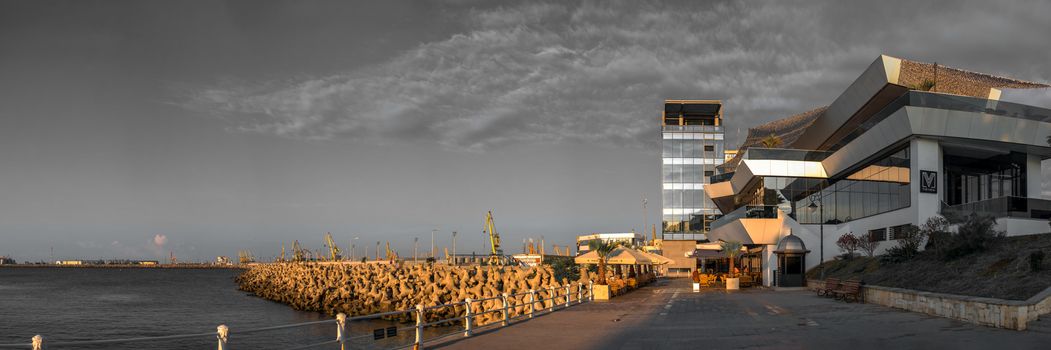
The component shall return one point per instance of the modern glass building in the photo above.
(906, 142)
(692, 146)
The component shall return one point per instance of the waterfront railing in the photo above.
(560, 298)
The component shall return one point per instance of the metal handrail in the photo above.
(558, 302)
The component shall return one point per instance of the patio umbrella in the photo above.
(657, 259)
(587, 258)
(627, 256)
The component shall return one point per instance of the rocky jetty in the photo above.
(362, 289)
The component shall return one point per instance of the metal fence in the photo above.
(560, 298)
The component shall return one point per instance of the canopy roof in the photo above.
(622, 256)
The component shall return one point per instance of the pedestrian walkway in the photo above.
(668, 315)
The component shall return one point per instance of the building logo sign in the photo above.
(928, 181)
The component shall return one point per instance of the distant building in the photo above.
(625, 238)
(7, 261)
(149, 262)
(223, 260)
(69, 262)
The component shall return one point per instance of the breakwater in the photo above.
(363, 289)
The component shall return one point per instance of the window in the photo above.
(708, 173)
(897, 232)
(878, 235)
(709, 148)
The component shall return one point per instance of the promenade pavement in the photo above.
(668, 315)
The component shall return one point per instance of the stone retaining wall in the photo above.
(1010, 314)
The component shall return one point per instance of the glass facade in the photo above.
(692, 146)
(969, 180)
(878, 187)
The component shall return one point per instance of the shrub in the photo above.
(868, 245)
(1036, 260)
(975, 234)
(848, 243)
(908, 245)
(937, 231)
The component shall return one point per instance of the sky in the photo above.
(131, 129)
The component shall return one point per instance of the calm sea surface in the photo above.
(64, 304)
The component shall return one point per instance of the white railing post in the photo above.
(418, 345)
(506, 311)
(341, 330)
(569, 294)
(552, 292)
(38, 342)
(580, 292)
(532, 302)
(222, 332)
(468, 319)
(591, 290)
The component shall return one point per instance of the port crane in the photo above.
(297, 251)
(333, 249)
(245, 257)
(496, 254)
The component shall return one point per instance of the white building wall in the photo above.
(925, 154)
(1034, 177)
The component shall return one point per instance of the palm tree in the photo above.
(732, 249)
(771, 141)
(602, 249)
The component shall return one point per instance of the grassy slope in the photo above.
(1001, 272)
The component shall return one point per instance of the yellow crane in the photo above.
(333, 249)
(495, 253)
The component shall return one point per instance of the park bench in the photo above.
(831, 284)
(849, 288)
(746, 281)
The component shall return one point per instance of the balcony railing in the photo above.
(693, 128)
(1017, 207)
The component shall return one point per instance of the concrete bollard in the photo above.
(569, 293)
(580, 292)
(591, 290)
(468, 319)
(418, 345)
(222, 332)
(532, 302)
(38, 342)
(341, 329)
(506, 309)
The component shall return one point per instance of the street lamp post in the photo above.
(415, 248)
(821, 225)
(454, 246)
(433, 253)
(377, 250)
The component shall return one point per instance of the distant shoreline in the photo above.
(215, 267)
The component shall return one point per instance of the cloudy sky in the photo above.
(131, 128)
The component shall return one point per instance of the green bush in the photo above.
(908, 245)
(975, 234)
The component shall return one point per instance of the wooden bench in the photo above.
(746, 281)
(831, 284)
(848, 289)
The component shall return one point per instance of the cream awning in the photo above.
(620, 256)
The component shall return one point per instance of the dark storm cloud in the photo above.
(596, 71)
